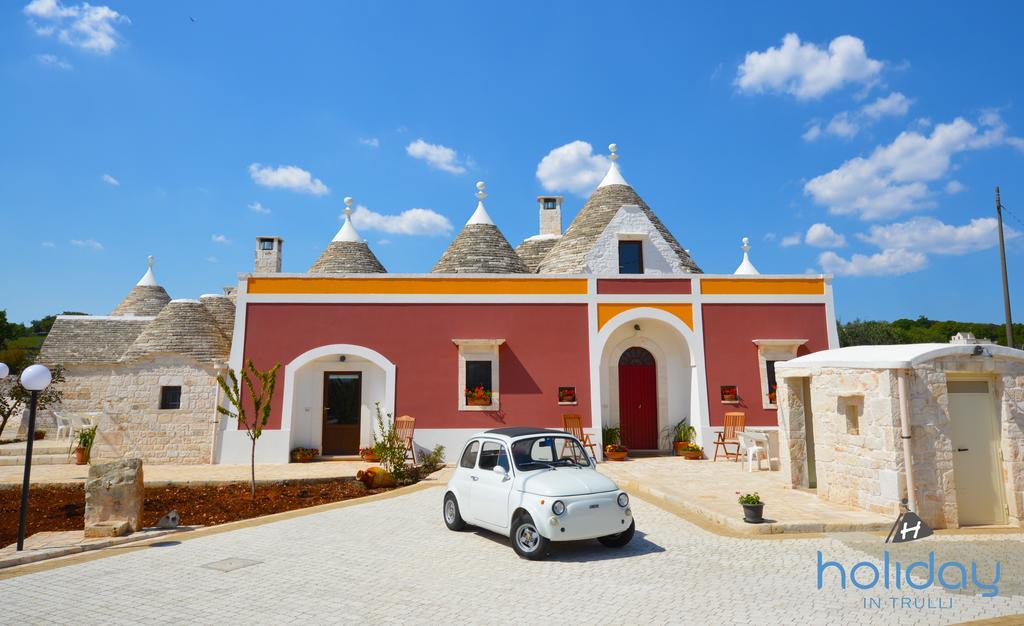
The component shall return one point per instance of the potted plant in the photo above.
(39, 434)
(369, 455)
(304, 455)
(478, 396)
(773, 395)
(86, 437)
(753, 508)
(730, 394)
(613, 449)
(682, 440)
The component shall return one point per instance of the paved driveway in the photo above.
(394, 561)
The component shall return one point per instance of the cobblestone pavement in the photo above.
(393, 560)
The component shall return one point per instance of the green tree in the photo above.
(14, 397)
(867, 333)
(260, 385)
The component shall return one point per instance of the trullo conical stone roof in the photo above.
(480, 247)
(147, 297)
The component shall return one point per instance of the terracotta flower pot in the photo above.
(615, 456)
(81, 456)
(370, 457)
(478, 401)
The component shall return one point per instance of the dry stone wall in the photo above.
(126, 401)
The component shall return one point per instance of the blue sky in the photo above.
(864, 140)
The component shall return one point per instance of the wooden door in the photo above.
(638, 399)
(975, 439)
(343, 404)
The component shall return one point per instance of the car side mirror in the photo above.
(501, 471)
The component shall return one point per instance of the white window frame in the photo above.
(479, 350)
(773, 350)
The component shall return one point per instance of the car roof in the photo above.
(523, 431)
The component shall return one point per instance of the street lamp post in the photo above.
(35, 378)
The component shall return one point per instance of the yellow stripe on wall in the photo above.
(468, 286)
(606, 312)
(758, 286)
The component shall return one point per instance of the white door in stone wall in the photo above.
(975, 432)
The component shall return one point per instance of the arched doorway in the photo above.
(638, 399)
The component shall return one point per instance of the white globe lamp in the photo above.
(4, 370)
(36, 377)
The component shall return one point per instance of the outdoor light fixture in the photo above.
(35, 378)
(636, 327)
(341, 358)
(4, 370)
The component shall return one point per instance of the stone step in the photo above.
(39, 447)
(38, 459)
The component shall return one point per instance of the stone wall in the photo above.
(126, 401)
(861, 464)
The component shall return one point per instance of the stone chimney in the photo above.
(268, 255)
(550, 215)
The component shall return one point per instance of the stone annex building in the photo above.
(610, 319)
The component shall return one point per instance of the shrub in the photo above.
(433, 461)
(612, 436)
(389, 446)
(304, 455)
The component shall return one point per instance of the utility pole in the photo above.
(1006, 285)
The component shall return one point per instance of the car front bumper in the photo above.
(587, 517)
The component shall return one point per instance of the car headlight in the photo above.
(558, 507)
(623, 500)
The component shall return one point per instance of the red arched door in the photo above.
(638, 399)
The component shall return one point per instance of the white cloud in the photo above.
(884, 263)
(212, 259)
(769, 236)
(219, 239)
(573, 167)
(373, 142)
(846, 124)
(110, 180)
(931, 236)
(791, 240)
(812, 133)
(842, 125)
(822, 236)
(437, 156)
(408, 222)
(892, 105)
(256, 207)
(806, 70)
(384, 242)
(90, 244)
(954, 187)
(894, 178)
(287, 177)
(48, 244)
(52, 60)
(84, 26)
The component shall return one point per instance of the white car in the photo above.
(535, 486)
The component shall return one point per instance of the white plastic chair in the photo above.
(756, 445)
(64, 425)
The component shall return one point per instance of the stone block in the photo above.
(112, 528)
(115, 492)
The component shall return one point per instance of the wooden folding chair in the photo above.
(405, 426)
(733, 423)
(572, 423)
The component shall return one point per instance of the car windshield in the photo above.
(551, 451)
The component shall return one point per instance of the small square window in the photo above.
(631, 257)
(550, 203)
(730, 394)
(266, 244)
(170, 397)
(479, 384)
(567, 395)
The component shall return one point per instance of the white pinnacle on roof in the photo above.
(348, 231)
(148, 279)
(746, 267)
(480, 216)
(614, 176)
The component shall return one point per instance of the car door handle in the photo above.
(961, 449)
(475, 477)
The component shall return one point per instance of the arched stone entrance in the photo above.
(638, 399)
(677, 381)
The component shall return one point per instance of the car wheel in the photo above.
(452, 517)
(620, 539)
(527, 540)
